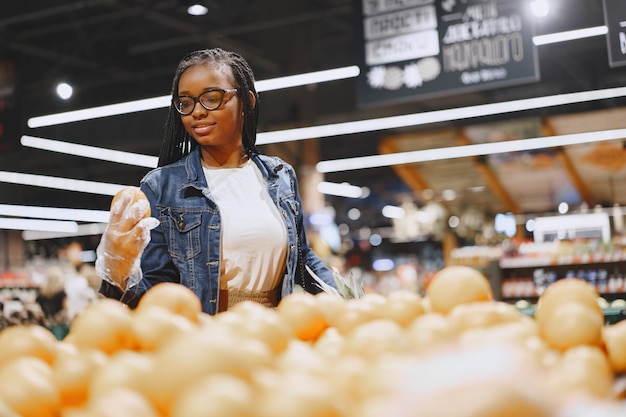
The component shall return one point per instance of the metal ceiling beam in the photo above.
(570, 169)
(492, 179)
(408, 173)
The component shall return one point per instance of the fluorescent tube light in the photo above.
(41, 225)
(308, 78)
(436, 116)
(344, 128)
(164, 101)
(341, 190)
(55, 213)
(60, 183)
(100, 111)
(103, 154)
(393, 212)
(83, 230)
(266, 85)
(570, 35)
(347, 164)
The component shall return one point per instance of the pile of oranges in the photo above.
(453, 352)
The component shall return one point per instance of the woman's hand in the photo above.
(125, 238)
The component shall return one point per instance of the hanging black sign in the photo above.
(615, 18)
(421, 48)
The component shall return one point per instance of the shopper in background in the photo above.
(52, 296)
(230, 219)
(78, 290)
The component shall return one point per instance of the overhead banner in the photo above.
(615, 19)
(414, 49)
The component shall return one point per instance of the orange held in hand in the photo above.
(125, 237)
(133, 195)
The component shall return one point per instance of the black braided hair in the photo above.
(176, 141)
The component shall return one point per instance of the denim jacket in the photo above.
(185, 247)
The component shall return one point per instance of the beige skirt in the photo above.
(228, 298)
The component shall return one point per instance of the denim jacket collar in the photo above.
(193, 166)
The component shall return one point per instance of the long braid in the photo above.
(176, 141)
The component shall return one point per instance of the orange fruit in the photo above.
(482, 314)
(73, 369)
(301, 356)
(331, 343)
(358, 311)
(521, 332)
(133, 194)
(567, 290)
(184, 360)
(216, 395)
(375, 338)
(27, 386)
(294, 393)
(154, 325)
(124, 369)
(614, 336)
(344, 378)
(28, 340)
(484, 398)
(330, 304)
(373, 303)
(571, 324)
(402, 306)
(120, 402)
(582, 371)
(430, 331)
(303, 315)
(6, 411)
(455, 285)
(174, 297)
(104, 324)
(253, 320)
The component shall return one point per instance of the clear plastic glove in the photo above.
(124, 239)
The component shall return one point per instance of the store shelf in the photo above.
(523, 279)
(570, 260)
(611, 315)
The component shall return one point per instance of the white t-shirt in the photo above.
(254, 236)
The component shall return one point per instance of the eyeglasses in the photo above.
(211, 100)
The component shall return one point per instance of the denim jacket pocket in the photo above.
(182, 230)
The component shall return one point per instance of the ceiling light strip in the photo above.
(60, 183)
(340, 190)
(55, 213)
(103, 154)
(164, 101)
(437, 116)
(40, 225)
(373, 161)
(101, 111)
(570, 35)
(83, 230)
(266, 85)
(348, 127)
(308, 78)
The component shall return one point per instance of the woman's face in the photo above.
(219, 128)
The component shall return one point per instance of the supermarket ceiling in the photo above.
(117, 50)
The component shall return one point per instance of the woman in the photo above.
(230, 219)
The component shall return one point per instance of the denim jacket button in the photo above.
(285, 214)
(181, 224)
(292, 248)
